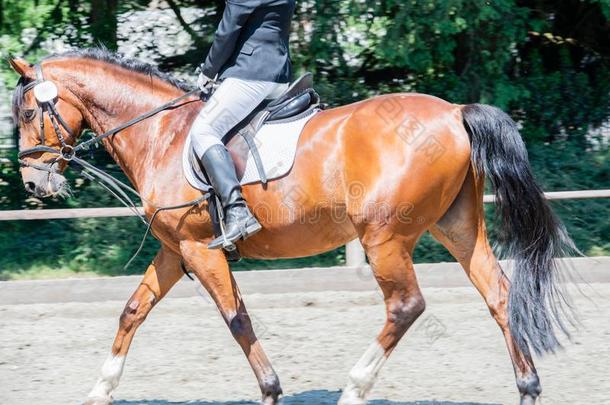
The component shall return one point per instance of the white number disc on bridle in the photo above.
(45, 92)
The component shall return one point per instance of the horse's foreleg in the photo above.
(462, 232)
(161, 275)
(212, 269)
(393, 268)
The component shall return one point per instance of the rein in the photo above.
(69, 153)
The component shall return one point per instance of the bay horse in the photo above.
(383, 170)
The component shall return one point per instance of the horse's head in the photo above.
(49, 124)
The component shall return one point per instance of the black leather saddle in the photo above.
(298, 101)
(298, 98)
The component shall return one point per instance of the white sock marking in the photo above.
(109, 379)
(363, 375)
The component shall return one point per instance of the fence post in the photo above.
(354, 254)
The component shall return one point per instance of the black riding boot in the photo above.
(239, 221)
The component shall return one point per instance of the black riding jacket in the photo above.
(252, 41)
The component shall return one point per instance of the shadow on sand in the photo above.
(315, 397)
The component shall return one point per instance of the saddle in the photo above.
(297, 102)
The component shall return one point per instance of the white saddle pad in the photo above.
(276, 143)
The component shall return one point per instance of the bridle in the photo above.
(67, 152)
(70, 154)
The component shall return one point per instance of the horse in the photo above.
(383, 170)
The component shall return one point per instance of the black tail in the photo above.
(529, 231)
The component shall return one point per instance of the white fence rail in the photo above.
(70, 213)
(566, 195)
(354, 253)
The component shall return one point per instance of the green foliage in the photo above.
(545, 62)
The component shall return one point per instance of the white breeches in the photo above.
(232, 101)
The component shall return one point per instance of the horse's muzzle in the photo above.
(42, 184)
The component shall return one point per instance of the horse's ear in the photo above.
(22, 67)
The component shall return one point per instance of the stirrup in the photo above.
(226, 243)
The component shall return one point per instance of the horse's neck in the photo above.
(114, 103)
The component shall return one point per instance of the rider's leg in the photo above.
(239, 221)
(233, 101)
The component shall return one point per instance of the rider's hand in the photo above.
(203, 82)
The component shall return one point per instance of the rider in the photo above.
(250, 56)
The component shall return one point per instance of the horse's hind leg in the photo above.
(462, 231)
(212, 269)
(160, 277)
(393, 268)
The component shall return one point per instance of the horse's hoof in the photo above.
(350, 398)
(272, 391)
(98, 401)
(528, 400)
(271, 400)
(354, 401)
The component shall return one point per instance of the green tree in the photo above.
(103, 22)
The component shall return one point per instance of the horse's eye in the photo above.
(29, 115)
